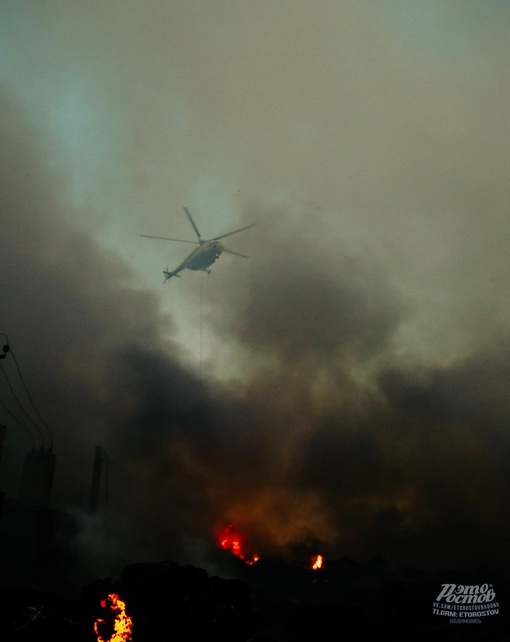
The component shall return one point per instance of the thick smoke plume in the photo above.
(350, 392)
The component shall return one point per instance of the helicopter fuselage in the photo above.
(203, 256)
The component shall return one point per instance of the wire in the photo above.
(18, 421)
(7, 349)
(21, 407)
(31, 401)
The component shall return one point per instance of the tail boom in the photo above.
(169, 275)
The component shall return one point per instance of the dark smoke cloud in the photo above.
(322, 428)
(72, 311)
(306, 308)
(302, 450)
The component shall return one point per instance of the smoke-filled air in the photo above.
(344, 390)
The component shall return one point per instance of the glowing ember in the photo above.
(122, 624)
(232, 541)
(317, 562)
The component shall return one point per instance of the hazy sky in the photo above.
(344, 388)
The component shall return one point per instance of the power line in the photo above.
(7, 350)
(21, 408)
(18, 421)
(31, 401)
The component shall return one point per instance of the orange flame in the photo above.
(232, 541)
(317, 562)
(122, 626)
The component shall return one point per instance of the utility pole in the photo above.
(96, 479)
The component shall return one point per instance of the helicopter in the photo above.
(202, 256)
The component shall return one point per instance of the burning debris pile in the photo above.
(256, 599)
(244, 598)
(231, 540)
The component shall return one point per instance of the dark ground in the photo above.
(268, 602)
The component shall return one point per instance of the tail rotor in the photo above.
(169, 275)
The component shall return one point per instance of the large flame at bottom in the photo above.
(231, 540)
(122, 625)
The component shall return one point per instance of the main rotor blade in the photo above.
(236, 253)
(164, 238)
(217, 238)
(193, 223)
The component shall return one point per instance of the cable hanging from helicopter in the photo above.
(203, 256)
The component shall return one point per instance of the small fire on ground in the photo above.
(122, 624)
(233, 541)
(317, 562)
